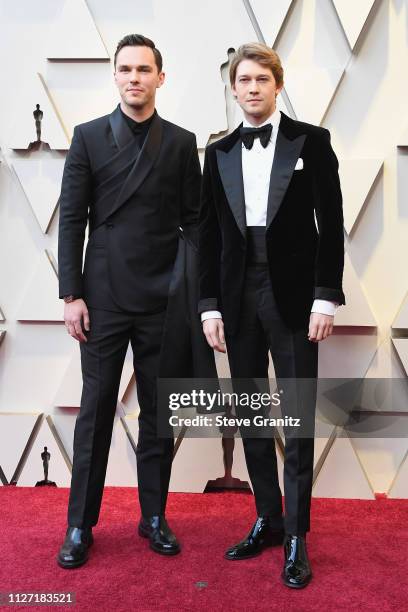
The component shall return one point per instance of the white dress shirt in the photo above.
(256, 171)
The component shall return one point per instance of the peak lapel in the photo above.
(286, 155)
(230, 169)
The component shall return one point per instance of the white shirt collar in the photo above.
(274, 119)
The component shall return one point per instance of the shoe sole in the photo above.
(297, 586)
(167, 553)
(74, 564)
(271, 545)
(244, 558)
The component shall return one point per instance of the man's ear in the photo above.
(162, 77)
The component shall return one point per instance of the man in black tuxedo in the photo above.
(136, 178)
(274, 280)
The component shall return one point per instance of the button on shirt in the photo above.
(256, 171)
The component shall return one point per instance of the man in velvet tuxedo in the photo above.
(273, 279)
(136, 179)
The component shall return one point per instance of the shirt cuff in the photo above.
(325, 307)
(210, 314)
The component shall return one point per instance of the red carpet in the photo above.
(358, 550)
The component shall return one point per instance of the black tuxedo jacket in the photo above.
(304, 262)
(135, 200)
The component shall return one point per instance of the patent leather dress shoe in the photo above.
(260, 537)
(74, 551)
(162, 539)
(296, 570)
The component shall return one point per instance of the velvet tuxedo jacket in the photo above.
(135, 200)
(305, 262)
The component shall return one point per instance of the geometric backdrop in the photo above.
(343, 66)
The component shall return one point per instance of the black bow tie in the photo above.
(248, 135)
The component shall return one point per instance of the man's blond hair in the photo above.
(262, 54)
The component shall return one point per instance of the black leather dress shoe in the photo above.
(296, 570)
(162, 539)
(260, 537)
(74, 551)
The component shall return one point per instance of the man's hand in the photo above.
(76, 315)
(214, 332)
(320, 326)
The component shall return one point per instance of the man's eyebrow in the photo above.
(139, 66)
(263, 74)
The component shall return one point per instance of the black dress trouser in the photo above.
(260, 330)
(102, 359)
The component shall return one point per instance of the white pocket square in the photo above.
(299, 164)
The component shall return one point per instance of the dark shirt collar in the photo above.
(138, 127)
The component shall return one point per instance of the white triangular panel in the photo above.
(52, 258)
(342, 475)
(353, 16)
(270, 21)
(58, 470)
(403, 140)
(401, 320)
(309, 100)
(23, 131)
(386, 364)
(401, 346)
(399, 488)
(69, 392)
(15, 430)
(346, 355)
(65, 425)
(357, 177)
(86, 44)
(356, 312)
(40, 301)
(40, 178)
(380, 458)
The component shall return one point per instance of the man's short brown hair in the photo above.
(138, 40)
(262, 54)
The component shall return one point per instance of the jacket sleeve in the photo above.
(190, 195)
(209, 245)
(329, 216)
(73, 204)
